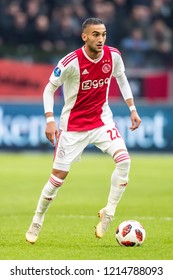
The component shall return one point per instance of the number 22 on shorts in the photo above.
(113, 133)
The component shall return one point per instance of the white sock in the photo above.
(48, 194)
(119, 181)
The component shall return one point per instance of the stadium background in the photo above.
(35, 34)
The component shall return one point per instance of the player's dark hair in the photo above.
(91, 21)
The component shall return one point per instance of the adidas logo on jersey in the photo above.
(85, 72)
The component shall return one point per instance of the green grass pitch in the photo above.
(68, 230)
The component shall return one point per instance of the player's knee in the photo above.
(59, 174)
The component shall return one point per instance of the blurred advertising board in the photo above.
(22, 127)
(24, 81)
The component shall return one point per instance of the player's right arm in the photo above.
(57, 78)
(51, 130)
(59, 75)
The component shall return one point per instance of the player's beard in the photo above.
(96, 52)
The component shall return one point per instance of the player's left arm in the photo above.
(128, 97)
(55, 81)
(135, 119)
(126, 92)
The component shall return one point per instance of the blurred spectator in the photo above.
(8, 13)
(163, 9)
(32, 9)
(80, 14)
(65, 37)
(42, 34)
(106, 11)
(140, 17)
(161, 38)
(135, 48)
(121, 8)
(20, 34)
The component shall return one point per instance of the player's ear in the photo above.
(84, 37)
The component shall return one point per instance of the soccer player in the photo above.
(86, 118)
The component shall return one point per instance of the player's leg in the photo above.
(111, 141)
(47, 196)
(49, 193)
(119, 180)
(67, 151)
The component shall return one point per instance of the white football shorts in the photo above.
(70, 144)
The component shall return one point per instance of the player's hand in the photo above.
(51, 132)
(135, 119)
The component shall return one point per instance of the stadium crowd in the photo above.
(43, 31)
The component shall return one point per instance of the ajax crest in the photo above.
(106, 68)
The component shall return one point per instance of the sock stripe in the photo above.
(122, 157)
(55, 183)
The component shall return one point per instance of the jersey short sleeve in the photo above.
(58, 75)
(62, 70)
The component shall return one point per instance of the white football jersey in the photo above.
(86, 85)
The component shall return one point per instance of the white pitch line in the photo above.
(134, 218)
(154, 218)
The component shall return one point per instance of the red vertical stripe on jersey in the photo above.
(86, 113)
